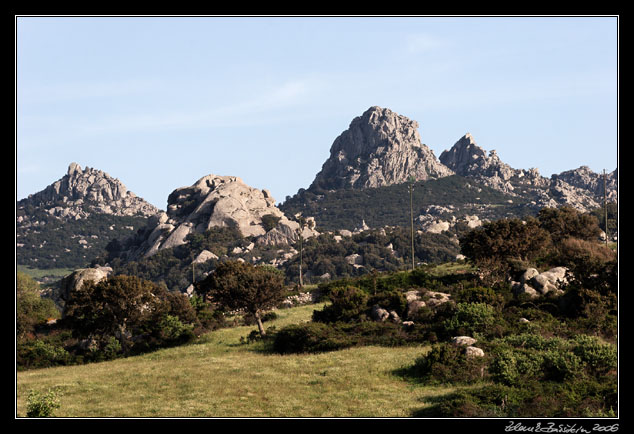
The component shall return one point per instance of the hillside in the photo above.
(247, 382)
(390, 205)
(71, 221)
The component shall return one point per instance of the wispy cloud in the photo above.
(271, 104)
(422, 42)
(74, 91)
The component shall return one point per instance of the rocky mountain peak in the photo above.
(379, 148)
(80, 193)
(217, 201)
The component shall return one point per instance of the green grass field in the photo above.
(38, 274)
(218, 376)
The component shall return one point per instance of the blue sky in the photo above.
(159, 102)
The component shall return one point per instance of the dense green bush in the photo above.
(347, 304)
(316, 337)
(447, 363)
(31, 309)
(42, 404)
(599, 357)
(38, 353)
(472, 319)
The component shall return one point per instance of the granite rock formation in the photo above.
(217, 201)
(81, 193)
(379, 148)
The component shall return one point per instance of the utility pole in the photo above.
(605, 206)
(411, 214)
(301, 253)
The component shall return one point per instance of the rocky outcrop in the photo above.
(218, 201)
(379, 148)
(534, 284)
(418, 299)
(581, 188)
(81, 193)
(74, 281)
(466, 158)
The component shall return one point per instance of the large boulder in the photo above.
(218, 201)
(534, 283)
(75, 281)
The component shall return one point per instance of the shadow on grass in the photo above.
(433, 404)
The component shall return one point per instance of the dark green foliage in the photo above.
(533, 376)
(613, 218)
(59, 239)
(505, 239)
(139, 314)
(599, 357)
(480, 294)
(473, 319)
(239, 285)
(447, 363)
(566, 222)
(40, 353)
(389, 206)
(316, 337)
(269, 221)
(31, 309)
(348, 304)
(583, 398)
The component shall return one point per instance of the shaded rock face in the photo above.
(82, 192)
(379, 148)
(217, 201)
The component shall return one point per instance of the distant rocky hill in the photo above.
(71, 221)
(382, 148)
(82, 192)
(379, 148)
(580, 188)
(216, 201)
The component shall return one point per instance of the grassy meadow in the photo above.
(222, 376)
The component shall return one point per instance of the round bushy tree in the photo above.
(240, 285)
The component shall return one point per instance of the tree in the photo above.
(239, 285)
(505, 239)
(120, 306)
(496, 246)
(567, 222)
(31, 308)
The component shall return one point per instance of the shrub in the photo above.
(173, 331)
(514, 367)
(348, 304)
(309, 338)
(446, 363)
(31, 309)
(112, 348)
(561, 366)
(600, 357)
(567, 222)
(480, 294)
(37, 353)
(471, 319)
(42, 405)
